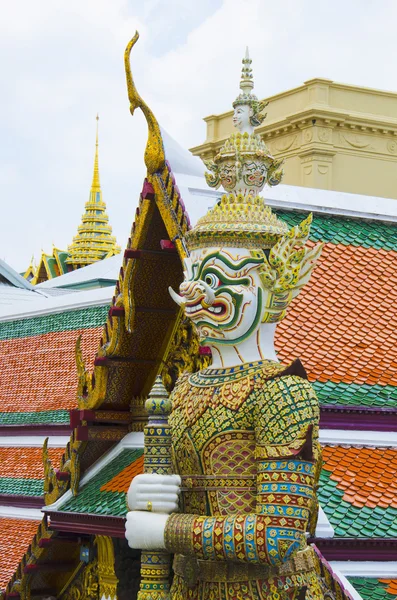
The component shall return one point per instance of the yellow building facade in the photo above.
(332, 136)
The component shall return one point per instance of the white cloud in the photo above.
(61, 63)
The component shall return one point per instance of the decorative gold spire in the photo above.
(96, 186)
(94, 240)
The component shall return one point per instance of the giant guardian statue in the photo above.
(246, 459)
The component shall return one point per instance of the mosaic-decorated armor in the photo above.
(245, 445)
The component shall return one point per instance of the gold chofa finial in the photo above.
(154, 153)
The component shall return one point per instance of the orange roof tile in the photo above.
(121, 482)
(343, 325)
(367, 476)
(392, 585)
(38, 373)
(26, 463)
(16, 535)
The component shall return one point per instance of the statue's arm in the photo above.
(286, 471)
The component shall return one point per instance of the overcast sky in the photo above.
(61, 62)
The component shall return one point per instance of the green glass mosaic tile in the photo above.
(351, 521)
(354, 394)
(21, 487)
(66, 321)
(371, 589)
(339, 230)
(52, 265)
(62, 256)
(90, 500)
(35, 418)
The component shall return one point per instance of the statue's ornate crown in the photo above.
(242, 166)
(241, 218)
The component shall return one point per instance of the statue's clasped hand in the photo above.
(151, 498)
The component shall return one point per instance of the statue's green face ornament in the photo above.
(222, 294)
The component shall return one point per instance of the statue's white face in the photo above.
(241, 119)
(223, 295)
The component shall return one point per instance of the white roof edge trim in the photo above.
(60, 304)
(327, 210)
(339, 437)
(376, 569)
(131, 441)
(33, 441)
(29, 514)
(304, 199)
(324, 528)
(13, 277)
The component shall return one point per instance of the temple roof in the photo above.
(99, 274)
(16, 535)
(104, 494)
(22, 471)
(13, 287)
(371, 588)
(344, 325)
(358, 491)
(37, 355)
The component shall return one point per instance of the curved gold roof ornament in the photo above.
(154, 152)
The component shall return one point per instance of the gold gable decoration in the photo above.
(144, 334)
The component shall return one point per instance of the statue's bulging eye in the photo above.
(212, 280)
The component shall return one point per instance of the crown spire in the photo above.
(247, 98)
(247, 81)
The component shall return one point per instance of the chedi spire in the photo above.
(94, 240)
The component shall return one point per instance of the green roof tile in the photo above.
(351, 521)
(62, 256)
(52, 266)
(21, 487)
(354, 394)
(371, 589)
(35, 418)
(66, 321)
(341, 230)
(90, 500)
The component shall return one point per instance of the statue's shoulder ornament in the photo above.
(287, 415)
(231, 387)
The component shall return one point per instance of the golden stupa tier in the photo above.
(239, 221)
(94, 240)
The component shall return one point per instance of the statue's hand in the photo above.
(145, 530)
(156, 493)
